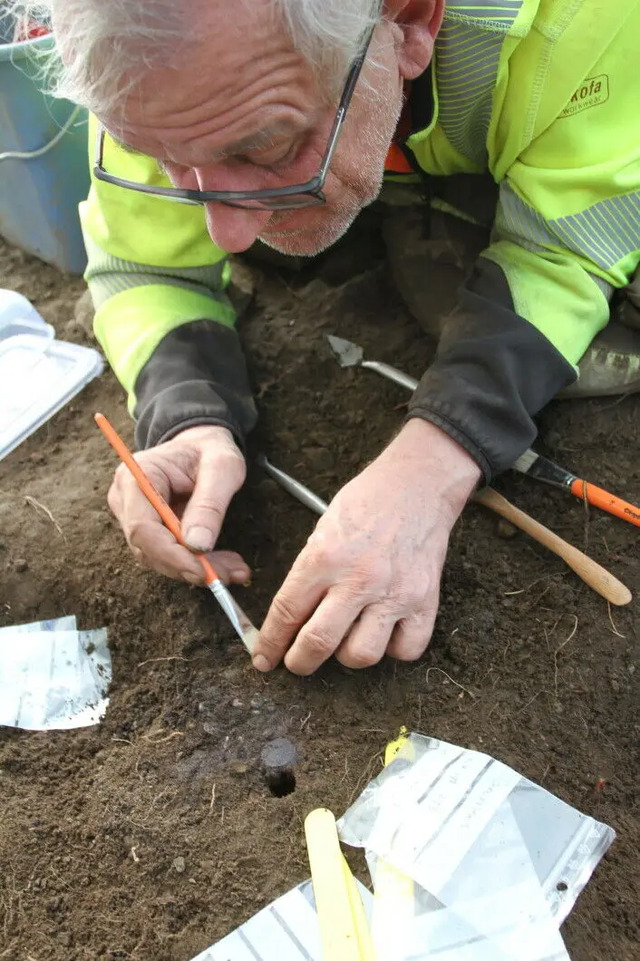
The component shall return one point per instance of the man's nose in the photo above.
(235, 229)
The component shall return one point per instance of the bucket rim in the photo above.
(21, 49)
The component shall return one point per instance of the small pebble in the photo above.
(505, 529)
(279, 753)
(179, 865)
(21, 565)
(236, 702)
(238, 767)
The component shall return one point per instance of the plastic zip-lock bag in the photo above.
(496, 862)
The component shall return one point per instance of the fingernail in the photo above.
(199, 539)
(242, 577)
(192, 578)
(261, 663)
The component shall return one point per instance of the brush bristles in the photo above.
(526, 460)
(250, 638)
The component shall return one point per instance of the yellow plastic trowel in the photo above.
(344, 930)
(393, 902)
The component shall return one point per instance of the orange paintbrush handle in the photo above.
(156, 499)
(606, 501)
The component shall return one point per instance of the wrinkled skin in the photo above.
(198, 472)
(367, 582)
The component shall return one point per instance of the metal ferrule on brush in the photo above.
(244, 628)
(540, 468)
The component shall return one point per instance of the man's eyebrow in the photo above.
(259, 141)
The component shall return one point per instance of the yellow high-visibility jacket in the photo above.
(544, 94)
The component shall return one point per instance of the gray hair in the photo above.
(108, 44)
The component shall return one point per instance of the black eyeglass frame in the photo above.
(309, 194)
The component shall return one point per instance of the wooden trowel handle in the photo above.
(591, 573)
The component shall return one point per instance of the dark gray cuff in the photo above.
(492, 372)
(196, 375)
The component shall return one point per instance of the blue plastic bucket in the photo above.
(39, 194)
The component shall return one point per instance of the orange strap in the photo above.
(396, 161)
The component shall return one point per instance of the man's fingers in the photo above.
(411, 636)
(367, 641)
(323, 633)
(157, 549)
(154, 546)
(216, 482)
(230, 567)
(138, 519)
(292, 606)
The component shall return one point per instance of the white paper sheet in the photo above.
(53, 677)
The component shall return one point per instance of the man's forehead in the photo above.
(234, 100)
(261, 139)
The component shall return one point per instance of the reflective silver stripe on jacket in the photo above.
(467, 57)
(604, 233)
(496, 16)
(108, 275)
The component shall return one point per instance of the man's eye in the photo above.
(275, 156)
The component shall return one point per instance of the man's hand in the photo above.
(368, 580)
(197, 472)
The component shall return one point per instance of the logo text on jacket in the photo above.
(591, 92)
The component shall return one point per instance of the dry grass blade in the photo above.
(151, 737)
(613, 626)
(448, 676)
(44, 510)
(557, 651)
(152, 660)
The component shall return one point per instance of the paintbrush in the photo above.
(541, 468)
(243, 627)
(588, 570)
(530, 463)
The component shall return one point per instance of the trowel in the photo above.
(352, 355)
(529, 463)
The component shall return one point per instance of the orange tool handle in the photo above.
(156, 499)
(606, 501)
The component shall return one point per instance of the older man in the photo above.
(276, 117)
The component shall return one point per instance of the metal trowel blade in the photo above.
(348, 354)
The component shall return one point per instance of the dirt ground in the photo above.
(526, 662)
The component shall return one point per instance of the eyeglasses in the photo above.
(308, 194)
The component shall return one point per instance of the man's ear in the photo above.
(419, 21)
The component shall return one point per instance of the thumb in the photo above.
(212, 493)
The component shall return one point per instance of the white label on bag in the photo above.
(429, 836)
